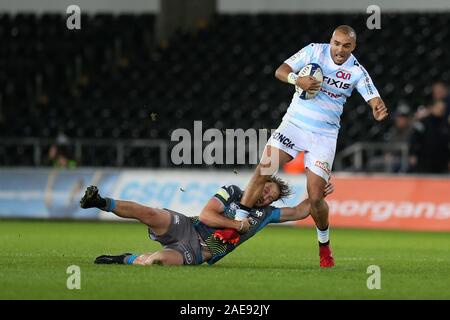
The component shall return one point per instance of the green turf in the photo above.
(278, 263)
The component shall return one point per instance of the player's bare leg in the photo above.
(165, 257)
(271, 160)
(319, 208)
(304, 207)
(319, 212)
(158, 220)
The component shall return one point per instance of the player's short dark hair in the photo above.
(285, 188)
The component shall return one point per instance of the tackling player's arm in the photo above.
(379, 109)
(212, 216)
(302, 210)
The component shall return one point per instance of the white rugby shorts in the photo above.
(319, 149)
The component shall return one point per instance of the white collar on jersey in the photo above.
(347, 62)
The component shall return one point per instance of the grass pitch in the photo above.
(278, 263)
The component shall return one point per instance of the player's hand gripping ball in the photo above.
(310, 80)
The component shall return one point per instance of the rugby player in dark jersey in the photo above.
(191, 240)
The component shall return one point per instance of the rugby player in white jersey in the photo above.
(312, 125)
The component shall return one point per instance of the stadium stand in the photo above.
(105, 80)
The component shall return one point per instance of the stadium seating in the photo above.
(105, 80)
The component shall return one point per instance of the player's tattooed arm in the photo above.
(379, 109)
(212, 216)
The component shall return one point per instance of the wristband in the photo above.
(292, 78)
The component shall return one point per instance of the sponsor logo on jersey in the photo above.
(283, 140)
(298, 56)
(234, 206)
(176, 219)
(343, 74)
(337, 83)
(368, 85)
(324, 166)
(331, 94)
(367, 81)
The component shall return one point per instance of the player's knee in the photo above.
(145, 259)
(149, 212)
(156, 259)
(140, 260)
(147, 215)
(316, 200)
(149, 259)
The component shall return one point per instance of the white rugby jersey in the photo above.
(322, 113)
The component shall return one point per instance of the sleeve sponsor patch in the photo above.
(296, 58)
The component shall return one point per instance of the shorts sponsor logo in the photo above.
(176, 219)
(188, 257)
(258, 213)
(324, 166)
(283, 140)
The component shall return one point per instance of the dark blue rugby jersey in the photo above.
(230, 196)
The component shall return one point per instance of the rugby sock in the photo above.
(242, 212)
(323, 236)
(109, 204)
(129, 259)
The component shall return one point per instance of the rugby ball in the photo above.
(314, 70)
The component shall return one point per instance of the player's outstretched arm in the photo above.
(379, 109)
(299, 212)
(212, 216)
(302, 210)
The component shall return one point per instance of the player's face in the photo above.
(342, 46)
(271, 192)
